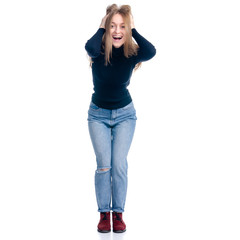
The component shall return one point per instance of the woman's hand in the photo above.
(103, 21)
(132, 21)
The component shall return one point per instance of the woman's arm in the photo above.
(146, 50)
(93, 45)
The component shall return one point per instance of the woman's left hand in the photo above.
(132, 21)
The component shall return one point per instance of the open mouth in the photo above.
(117, 38)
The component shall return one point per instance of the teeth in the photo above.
(117, 37)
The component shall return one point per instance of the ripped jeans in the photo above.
(111, 133)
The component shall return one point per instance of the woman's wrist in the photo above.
(102, 26)
(103, 22)
(132, 22)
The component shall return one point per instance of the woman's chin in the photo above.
(117, 45)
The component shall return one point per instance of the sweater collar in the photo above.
(117, 51)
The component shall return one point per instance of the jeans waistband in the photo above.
(97, 113)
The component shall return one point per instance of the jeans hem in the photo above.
(104, 210)
(117, 210)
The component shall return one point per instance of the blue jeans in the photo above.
(111, 132)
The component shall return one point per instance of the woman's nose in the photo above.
(117, 29)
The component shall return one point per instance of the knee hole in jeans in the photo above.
(103, 170)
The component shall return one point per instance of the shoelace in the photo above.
(105, 216)
(117, 217)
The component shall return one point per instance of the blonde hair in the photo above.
(130, 47)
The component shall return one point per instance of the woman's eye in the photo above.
(123, 26)
(112, 26)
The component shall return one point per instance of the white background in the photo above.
(184, 161)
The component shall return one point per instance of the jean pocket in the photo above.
(127, 107)
(94, 106)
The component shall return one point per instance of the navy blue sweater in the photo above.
(111, 81)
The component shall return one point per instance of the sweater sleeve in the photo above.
(146, 50)
(93, 45)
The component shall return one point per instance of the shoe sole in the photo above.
(104, 231)
(120, 231)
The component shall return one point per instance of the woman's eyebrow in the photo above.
(116, 23)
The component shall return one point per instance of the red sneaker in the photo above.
(104, 225)
(118, 224)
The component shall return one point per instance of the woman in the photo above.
(112, 116)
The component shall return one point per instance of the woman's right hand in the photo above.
(132, 21)
(103, 21)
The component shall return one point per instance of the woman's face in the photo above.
(118, 31)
